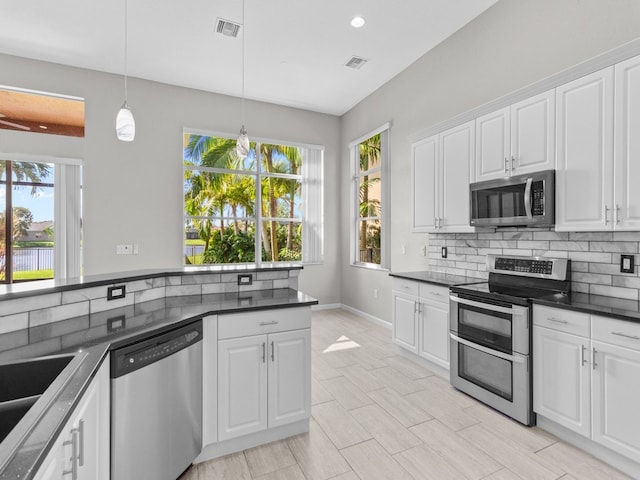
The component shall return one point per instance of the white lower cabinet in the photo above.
(82, 449)
(588, 383)
(264, 380)
(420, 319)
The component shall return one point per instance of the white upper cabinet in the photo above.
(584, 153)
(441, 180)
(516, 140)
(424, 159)
(627, 146)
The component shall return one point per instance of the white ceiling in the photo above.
(295, 50)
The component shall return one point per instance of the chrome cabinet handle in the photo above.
(506, 164)
(264, 352)
(513, 162)
(553, 319)
(617, 218)
(264, 324)
(593, 358)
(435, 293)
(606, 215)
(273, 353)
(583, 360)
(80, 430)
(625, 335)
(74, 455)
(415, 307)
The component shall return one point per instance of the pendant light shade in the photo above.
(125, 123)
(242, 144)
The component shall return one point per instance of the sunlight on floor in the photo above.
(342, 343)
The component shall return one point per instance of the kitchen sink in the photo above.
(21, 385)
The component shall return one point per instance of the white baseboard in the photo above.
(326, 306)
(366, 316)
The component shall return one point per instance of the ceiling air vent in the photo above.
(356, 62)
(225, 27)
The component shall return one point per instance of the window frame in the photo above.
(258, 175)
(355, 218)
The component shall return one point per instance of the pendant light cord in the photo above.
(126, 41)
(244, 31)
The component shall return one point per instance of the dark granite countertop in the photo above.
(435, 278)
(620, 308)
(91, 337)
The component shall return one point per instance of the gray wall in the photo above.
(513, 44)
(133, 191)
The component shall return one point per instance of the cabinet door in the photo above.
(584, 153)
(492, 145)
(53, 465)
(627, 145)
(209, 380)
(289, 377)
(404, 331)
(434, 332)
(424, 158)
(456, 155)
(533, 134)
(616, 390)
(561, 385)
(242, 386)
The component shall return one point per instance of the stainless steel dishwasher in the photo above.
(156, 405)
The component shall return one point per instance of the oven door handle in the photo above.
(484, 306)
(495, 353)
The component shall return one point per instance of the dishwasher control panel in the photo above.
(137, 355)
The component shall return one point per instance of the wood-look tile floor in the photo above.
(377, 415)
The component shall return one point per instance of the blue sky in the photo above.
(41, 205)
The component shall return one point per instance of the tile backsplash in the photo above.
(595, 256)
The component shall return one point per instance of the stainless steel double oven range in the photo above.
(490, 330)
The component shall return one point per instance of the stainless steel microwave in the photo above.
(522, 200)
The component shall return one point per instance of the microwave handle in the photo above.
(527, 198)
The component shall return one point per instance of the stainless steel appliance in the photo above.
(156, 405)
(490, 330)
(520, 200)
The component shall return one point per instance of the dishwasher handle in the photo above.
(154, 348)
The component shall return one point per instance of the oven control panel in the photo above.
(539, 267)
(526, 265)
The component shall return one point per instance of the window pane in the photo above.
(286, 243)
(369, 241)
(370, 153)
(219, 241)
(370, 195)
(219, 194)
(215, 152)
(282, 197)
(280, 159)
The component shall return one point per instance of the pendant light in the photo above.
(242, 144)
(125, 124)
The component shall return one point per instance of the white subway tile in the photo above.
(11, 323)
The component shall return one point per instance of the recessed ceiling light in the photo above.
(43, 127)
(357, 22)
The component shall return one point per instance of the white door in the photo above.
(561, 384)
(289, 381)
(434, 332)
(533, 134)
(404, 331)
(616, 390)
(424, 158)
(492, 145)
(242, 386)
(627, 146)
(456, 156)
(584, 153)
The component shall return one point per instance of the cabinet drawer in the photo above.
(562, 320)
(405, 286)
(267, 321)
(617, 332)
(435, 293)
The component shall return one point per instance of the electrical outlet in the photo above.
(115, 292)
(245, 279)
(627, 264)
(124, 249)
(444, 252)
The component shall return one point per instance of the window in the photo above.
(369, 192)
(39, 220)
(265, 208)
